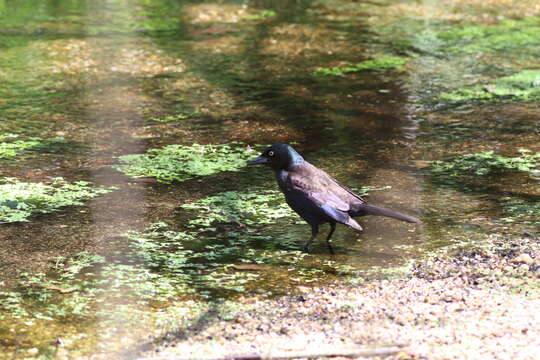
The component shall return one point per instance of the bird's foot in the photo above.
(330, 248)
(306, 248)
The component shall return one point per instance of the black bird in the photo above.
(316, 196)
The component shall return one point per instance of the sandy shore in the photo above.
(466, 302)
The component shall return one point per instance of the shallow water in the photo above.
(95, 73)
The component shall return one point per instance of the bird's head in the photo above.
(278, 156)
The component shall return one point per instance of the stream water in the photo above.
(96, 75)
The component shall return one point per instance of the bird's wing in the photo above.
(321, 196)
(329, 199)
(348, 190)
(312, 177)
(317, 187)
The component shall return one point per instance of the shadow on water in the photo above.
(97, 73)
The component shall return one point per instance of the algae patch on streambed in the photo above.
(468, 61)
(486, 80)
(484, 163)
(155, 270)
(19, 200)
(504, 36)
(382, 63)
(524, 85)
(180, 162)
(14, 146)
(220, 252)
(472, 173)
(228, 245)
(227, 248)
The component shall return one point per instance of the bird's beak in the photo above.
(258, 160)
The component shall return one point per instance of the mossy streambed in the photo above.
(19, 200)
(158, 231)
(224, 253)
(180, 163)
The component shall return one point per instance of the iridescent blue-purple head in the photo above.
(278, 156)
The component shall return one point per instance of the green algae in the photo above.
(33, 16)
(378, 64)
(48, 294)
(261, 15)
(467, 61)
(75, 284)
(515, 210)
(242, 219)
(201, 264)
(516, 39)
(255, 207)
(506, 36)
(175, 118)
(181, 162)
(483, 163)
(472, 173)
(19, 200)
(246, 210)
(12, 145)
(524, 85)
(157, 266)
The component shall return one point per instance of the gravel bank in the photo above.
(468, 302)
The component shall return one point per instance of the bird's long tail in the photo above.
(366, 209)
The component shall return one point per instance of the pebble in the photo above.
(522, 259)
(524, 267)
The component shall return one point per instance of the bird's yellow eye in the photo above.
(270, 153)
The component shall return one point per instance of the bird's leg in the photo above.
(332, 229)
(314, 232)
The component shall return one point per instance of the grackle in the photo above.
(316, 196)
